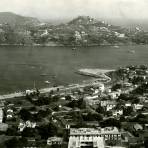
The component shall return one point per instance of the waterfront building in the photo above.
(92, 137)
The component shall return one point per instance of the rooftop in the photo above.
(94, 131)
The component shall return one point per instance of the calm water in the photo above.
(21, 66)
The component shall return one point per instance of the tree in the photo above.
(12, 131)
(110, 122)
(25, 114)
(48, 130)
(116, 86)
(100, 109)
(16, 143)
(29, 132)
(68, 97)
(127, 111)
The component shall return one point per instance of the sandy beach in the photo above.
(99, 74)
(95, 71)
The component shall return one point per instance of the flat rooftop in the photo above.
(94, 131)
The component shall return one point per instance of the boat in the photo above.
(116, 46)
(43, 74)
(47, 82)
(74, 48)
(131, 51)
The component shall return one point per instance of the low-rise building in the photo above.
(92, 137)
(118, 112)
(108, 104)
(137, 106)
(137, 127)
(82, 142)
(128, 104)
(115, 94)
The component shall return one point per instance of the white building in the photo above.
(101, 87)
(115, 94)
(92, 137)
(137, 106)
(128, 104)
(108, 104)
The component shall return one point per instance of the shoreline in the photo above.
(96, 73)
(60, 45)
(99, 74)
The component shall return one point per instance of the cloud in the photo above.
(131, 9)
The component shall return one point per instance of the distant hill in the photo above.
(81, 31)
(16, 20)
(85, 30)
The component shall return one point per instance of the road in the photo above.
(47, 90)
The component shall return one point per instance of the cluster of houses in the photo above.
(98, 95)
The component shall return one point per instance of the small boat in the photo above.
(116, 46)
(131, 51)
(43, 74)
(74, 48)
(47, 82)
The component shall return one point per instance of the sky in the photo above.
(61, 9)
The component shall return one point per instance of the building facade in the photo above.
(92, 137)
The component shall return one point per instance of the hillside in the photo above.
(16, 20)
(85, 30)
(81, 31)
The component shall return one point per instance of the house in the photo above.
(92, 100)
(9, 116)
(108, 104)
(21, 126)
(137, 127)
(128, 104)
(101, 87)
(54, 140)
(137, 106)
(115, 94)
(3, 127)
(9, 111)
(30, 124)
(118, 112)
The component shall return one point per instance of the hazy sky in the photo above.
(70, 8)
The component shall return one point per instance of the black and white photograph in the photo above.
(73, 73)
